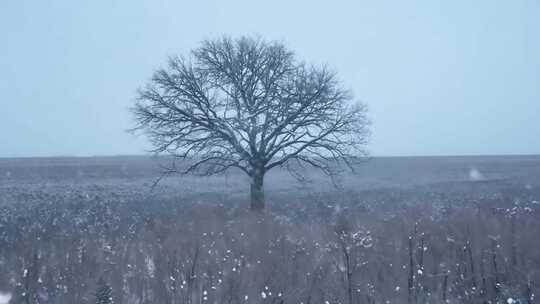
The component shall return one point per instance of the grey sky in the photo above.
(440, 77)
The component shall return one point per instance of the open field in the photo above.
(134, 175)
(400, 230)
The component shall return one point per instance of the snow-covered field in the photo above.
(425, 229)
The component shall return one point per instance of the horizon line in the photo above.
(59, 156)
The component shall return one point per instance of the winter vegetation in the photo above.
(251, 105)
(280, 152)
(95, 231)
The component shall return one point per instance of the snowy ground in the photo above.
(126, 176)
(434, 229)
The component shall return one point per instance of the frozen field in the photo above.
(128, 176)
(401, 230)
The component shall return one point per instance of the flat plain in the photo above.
(460, 229)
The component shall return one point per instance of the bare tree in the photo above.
(249, 104)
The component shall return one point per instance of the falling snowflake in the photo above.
(5, 298)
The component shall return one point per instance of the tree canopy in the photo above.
(250, 104)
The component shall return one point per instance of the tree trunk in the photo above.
(257, 190)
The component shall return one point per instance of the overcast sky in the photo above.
(440, 77)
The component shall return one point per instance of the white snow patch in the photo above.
(150, 266)
(5, 298)
(475, 175)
